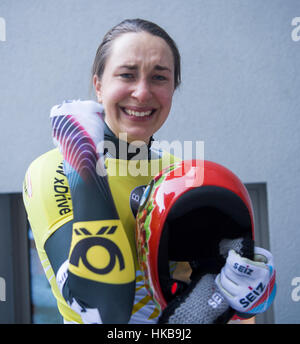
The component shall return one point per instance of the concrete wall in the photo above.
(240, 93)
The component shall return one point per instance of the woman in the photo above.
(83, 222)
(135, 73)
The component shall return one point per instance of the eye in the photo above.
(127, 75)
(159, 77)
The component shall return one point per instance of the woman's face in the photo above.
(137, 85)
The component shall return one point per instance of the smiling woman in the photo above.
(85, 228)
(91, 247)
(136, 81)
(137, 85)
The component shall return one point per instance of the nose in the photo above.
(142, 91)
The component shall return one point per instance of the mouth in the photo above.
(138, 113)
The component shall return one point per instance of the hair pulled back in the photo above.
(134, 25)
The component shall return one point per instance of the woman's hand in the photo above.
(248, 285)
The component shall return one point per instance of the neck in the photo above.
(121, 148)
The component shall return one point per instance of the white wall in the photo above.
(240, 93)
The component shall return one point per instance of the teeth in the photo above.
(137, 113)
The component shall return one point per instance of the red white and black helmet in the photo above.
(185, 211)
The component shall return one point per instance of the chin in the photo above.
(137, 137)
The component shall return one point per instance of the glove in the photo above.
(202, 301)
(248, 285)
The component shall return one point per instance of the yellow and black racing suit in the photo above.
(83, 284)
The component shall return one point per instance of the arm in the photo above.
(97, 277)
(183, 272)
(234, 285)
(249, 286)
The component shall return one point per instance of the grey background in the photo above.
(240, 93)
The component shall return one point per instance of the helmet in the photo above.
(185, 212)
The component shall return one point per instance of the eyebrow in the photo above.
(156, 67)
(159, 67)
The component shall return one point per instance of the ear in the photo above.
(97, 87)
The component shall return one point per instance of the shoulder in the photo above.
(46, 193)
(160, 158)
(39, 172)
(45, 160)
(164, 155)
